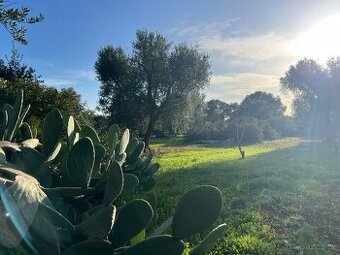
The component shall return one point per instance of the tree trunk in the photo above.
(149, 130)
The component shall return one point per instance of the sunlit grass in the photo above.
(280, 199)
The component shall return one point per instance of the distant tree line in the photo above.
(259, 116)
(16, 76)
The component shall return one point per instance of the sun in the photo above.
(320, 42)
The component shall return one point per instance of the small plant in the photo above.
(66, 196)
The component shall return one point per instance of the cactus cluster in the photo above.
(65, 196)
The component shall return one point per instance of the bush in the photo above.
(269, 133)
(253, 131)
(208, 131)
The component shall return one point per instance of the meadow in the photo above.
(282, 199)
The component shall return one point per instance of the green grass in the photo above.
(284, 198)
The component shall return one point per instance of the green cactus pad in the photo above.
(209, 241)
(80, 162)
(52, 130)
(131, 183)
(136, 153)
(152, 169)
(30, 161)
(90, 247)
(124, 141)
(2, 156)
(163, 227)
(99, 224)
(25, 131)
(158, 245)
(89, 132)
(113, 183)
(147, 161)
(4, 123)
(131, 146)
(132, 219)
(31, 143)
(197, 209)
(54, 154)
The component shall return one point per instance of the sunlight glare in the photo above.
(320, 42)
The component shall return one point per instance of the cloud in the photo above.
(71, 78)
(203, 28)
(233, 87)
(242, 62)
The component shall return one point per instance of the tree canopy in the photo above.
(146, 84)
(15, 19)
(261, 105)
(316, 90)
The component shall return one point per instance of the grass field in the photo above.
(284, 198)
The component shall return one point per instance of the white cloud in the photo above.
(71, 78)
(254, 48)
(242, 62)
(233, 87)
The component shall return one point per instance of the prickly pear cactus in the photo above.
(65, 196)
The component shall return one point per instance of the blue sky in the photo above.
(251, 43)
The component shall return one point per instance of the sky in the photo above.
(251, 43)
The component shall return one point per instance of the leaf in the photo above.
(158, 245)
(163, 227)
(52, 130)
(113, 183)
(209, 241)
(197, 209)
(138, 238)
(99, 224)
(30, 161)
(31, 143)
(124, 141)
(88, 131)
(132, 219)
(80, 162)
(54, 154)
(18, 205)
(113, 136)
(131, 183)
(90, 247)
(2, 156)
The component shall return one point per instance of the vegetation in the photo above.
(155, 80)
(16, 76)
(66, 189)
(259, 116)
(316, 91)
(282, 199)
(57, 197)
(15, 19)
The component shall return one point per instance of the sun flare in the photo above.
(320, 42)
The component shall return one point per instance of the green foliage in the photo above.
(50, 194)
(269, 198)
(316, 93)
(144, 87)
(133, 218)
(16, 76)
(209, 241)
(11, 18)
(197, 209)
(52, 130)
(159, 245)
(80, 162)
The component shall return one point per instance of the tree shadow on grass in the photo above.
(290, 188)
